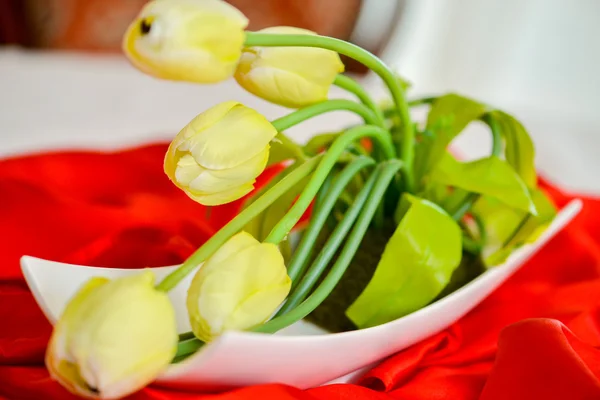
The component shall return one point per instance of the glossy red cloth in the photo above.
(536, 337)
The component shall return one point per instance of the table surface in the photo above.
(65, 100)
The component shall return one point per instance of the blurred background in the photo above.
(65, 84)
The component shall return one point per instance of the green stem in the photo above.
(496, 134)
(471, 246)
(302, 289)
(420, 101)
(285, 225)
(358, 149)
(346, 198)
(480, 228)
(515, 232)
(322, 195)
(474, 243)
(298, 262)
(452, 202)
(305, 113)
(186, 336)
(238, 223)
(350, 85)
(390, 112)
(465, 206)
(407, 144)
(187, 346)
(385, 172)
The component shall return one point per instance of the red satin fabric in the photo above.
(537, 337)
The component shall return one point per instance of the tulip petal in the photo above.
(238, 242)
(285, 87)
(240, 286)
(302, 61)
(217, 157)
(227, 196)
(205, 120)
(187, 170)
(232, 140)
(118, 336)
(211, 181)
(58, 358)
(289, 76)
(121, 299)
(258, 307)
(189, 9)
(266, 285)
(189, 40)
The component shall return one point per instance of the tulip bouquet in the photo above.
(396, 221)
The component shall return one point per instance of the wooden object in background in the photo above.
(100, 24)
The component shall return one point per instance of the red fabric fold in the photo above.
(546, 358)
(536, 337)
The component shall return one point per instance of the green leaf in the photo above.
(279, 152)
(471, 266)
(533, 227)
(436, 193)
(490, 176)
(499, 221)
(507, 228)
(319, 142)
(283, 149)
(448, 116)
(416, 265)
(520, 152)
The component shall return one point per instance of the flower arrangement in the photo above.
(396, 221)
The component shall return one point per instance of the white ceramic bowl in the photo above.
(302, 355)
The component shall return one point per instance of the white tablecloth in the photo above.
(61, 100)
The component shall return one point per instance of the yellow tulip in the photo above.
(289, 76)
(237, 288)
(188, 40)
(113, 338)
(216, 158)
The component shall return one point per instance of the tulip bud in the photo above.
(237, 288)
(289, 76)
(187, 40)
(113, 338)
(216, 158)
